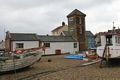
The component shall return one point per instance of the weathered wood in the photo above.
(30, 59)
(89, 63)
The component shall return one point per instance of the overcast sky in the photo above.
(42, 16)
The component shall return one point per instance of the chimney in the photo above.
(63, 23)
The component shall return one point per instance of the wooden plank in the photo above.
(89, 63)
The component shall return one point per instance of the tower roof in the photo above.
(76, 12)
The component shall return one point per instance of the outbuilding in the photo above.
(59, 44)
(50, 44)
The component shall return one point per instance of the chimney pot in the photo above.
(63, 23)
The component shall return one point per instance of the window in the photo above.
(109, 39)
(78, 20)
(19, 45)
(47, 44)
(71, 29)
(75, 45)
(118, 40)
(82, 20)
(81, 30)
(71, 19)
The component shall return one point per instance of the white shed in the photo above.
(21, 41)
(59, 44)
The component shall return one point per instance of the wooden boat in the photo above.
(18, 61)
(110, 46)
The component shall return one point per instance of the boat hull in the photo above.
(14, 64)
(114, 51)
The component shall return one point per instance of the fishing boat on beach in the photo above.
(19, 59)
(110, 45)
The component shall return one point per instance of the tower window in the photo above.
(81, 30)
(82, 20)
(70, 19)
(78, 20)
(71, 29)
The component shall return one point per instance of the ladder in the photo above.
(105, 56)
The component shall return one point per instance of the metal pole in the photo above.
(15, 75)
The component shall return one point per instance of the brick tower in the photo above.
(76, 26)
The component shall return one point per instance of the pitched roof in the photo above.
(45, 38)
(76, 12)
(66, 33)
(23, 37)
(89, 33)
(59, 28)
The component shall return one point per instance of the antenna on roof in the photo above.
(113, 23)
(113, 28)
(4, 33)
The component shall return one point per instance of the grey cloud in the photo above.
(41, 16)
(23, 4)
(84, 4)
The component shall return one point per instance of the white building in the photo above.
(15, 41)
(52, 44)
(59, 44)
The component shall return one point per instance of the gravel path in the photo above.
(64, 69)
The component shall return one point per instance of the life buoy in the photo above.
(18, 52)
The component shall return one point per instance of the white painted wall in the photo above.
(27, 44)
(114, 40)
(103, 40)
(63, 46)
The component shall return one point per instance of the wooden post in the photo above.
(103, 56)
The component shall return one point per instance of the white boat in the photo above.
(110, 45)
(18, 61)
